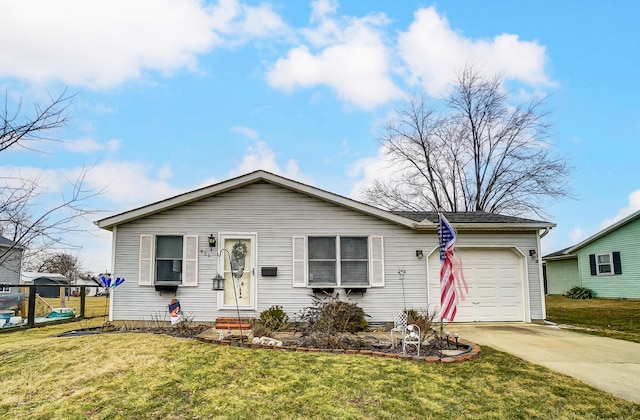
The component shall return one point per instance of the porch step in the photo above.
(234, 323)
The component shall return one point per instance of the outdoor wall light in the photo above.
(218, 282)
(419, 253)
(212, 241)
(533, 253)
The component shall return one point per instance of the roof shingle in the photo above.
(464, 217)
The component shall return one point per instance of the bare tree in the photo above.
(474, 152)
(24, 217)
(62, 263)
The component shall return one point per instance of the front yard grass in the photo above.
(615, 318)
(150, 376)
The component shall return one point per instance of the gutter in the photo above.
(514, 227)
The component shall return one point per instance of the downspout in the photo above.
(114, 233)
(540, 273)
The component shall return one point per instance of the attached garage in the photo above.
(495, 279)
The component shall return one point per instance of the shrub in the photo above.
(260, 331)
(274, 319)
(425, 319)
(577, 292)
(332, 315)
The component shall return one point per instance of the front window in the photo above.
(169, 259)
(338, 261)
(322, 260)
(4, 288)
(604, 264)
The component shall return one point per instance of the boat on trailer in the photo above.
(61, 313)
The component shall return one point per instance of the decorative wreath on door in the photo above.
(239, 252)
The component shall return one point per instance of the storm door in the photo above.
(238, 269)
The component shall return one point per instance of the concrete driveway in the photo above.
(607, 364)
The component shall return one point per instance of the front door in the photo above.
(238, 261)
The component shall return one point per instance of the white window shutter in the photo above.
(145, 270)
(190, 258)
(376, 262)
(299, 263)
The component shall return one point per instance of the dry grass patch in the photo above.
(95, 306)
(150, 376)
(615, 318)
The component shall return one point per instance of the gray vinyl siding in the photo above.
(10, 266)
(625, 240)
(276, 215)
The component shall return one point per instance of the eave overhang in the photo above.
(487, 227)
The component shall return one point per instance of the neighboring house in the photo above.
(10, 265)
(607, 262)
(94, 287)
(297, 240)
(42, 279)
(45, 290)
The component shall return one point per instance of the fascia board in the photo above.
(489, 226)
(560, 257)
(605, 231)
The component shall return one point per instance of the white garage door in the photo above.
(495, 281)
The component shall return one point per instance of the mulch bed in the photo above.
(337, 343)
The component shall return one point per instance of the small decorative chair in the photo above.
(399, 324)
(411, 337)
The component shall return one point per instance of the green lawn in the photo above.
(151, 376)
(613, 318)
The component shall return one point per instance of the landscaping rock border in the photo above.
(474, 351)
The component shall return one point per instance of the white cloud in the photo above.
(632, 207)
(261, 157)
(125, 184)
(89, 146)
(165, 173)
(433, 53)
(322, 8)
(352, 59)
(365, 171)
(93, 247)
(119, 183)
(103, 43)
(577, 235)
(257, 22)
(250, 133)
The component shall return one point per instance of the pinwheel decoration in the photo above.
(109, 284)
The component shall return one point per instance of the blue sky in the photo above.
(174, 95)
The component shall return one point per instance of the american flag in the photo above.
(447, 236)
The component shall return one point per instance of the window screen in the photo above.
(169, 258)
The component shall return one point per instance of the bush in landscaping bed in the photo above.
(577, 292)
(274, 319)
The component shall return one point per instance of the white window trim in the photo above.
(5, 288)
(612, 269)
(147, 260)
(370, 263)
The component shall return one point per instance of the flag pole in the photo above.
(440, 239)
